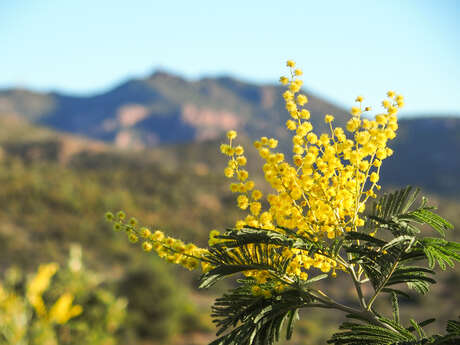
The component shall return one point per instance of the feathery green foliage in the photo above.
(386, 261)
(389, 253)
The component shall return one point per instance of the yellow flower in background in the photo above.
(24, 315)
(41, 280)
(63, 310)
(38, 285)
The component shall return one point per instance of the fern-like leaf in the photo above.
(361, 334)
(397, 213)
(246, 257)
(440, 251)
(254, 319)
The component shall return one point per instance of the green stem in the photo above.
(362, 300)
(328, 303)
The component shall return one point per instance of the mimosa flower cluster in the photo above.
(332, 176)
(319, 192)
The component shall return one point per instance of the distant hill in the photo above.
(427, 154)
(165, 109)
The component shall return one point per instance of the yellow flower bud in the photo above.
(147, 246)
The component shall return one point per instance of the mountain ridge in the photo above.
(199, 110)
(166, 109)
(137, 112)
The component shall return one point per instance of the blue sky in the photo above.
(345, 48)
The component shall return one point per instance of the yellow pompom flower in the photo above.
(158, 235)
(241, 160)
(328, 118)
(224, 148)
(312, 138)
(374, 177)
(381, 119)
(231, 134)
(291, 125)
(304, 114)
(256, 194)
(290, 63)
(249, 185)
(239, 150)
(145, 232)
(255, 207)
(243, 202)
(272, 143)
(288, 95)
(353, 125)
(228, 172)
(302, 99)
(355, 111)
(291, 106)
(242, 175)
(133, 238)
(284, 80)
(147, 246)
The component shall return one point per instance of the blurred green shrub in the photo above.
(158, 307)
